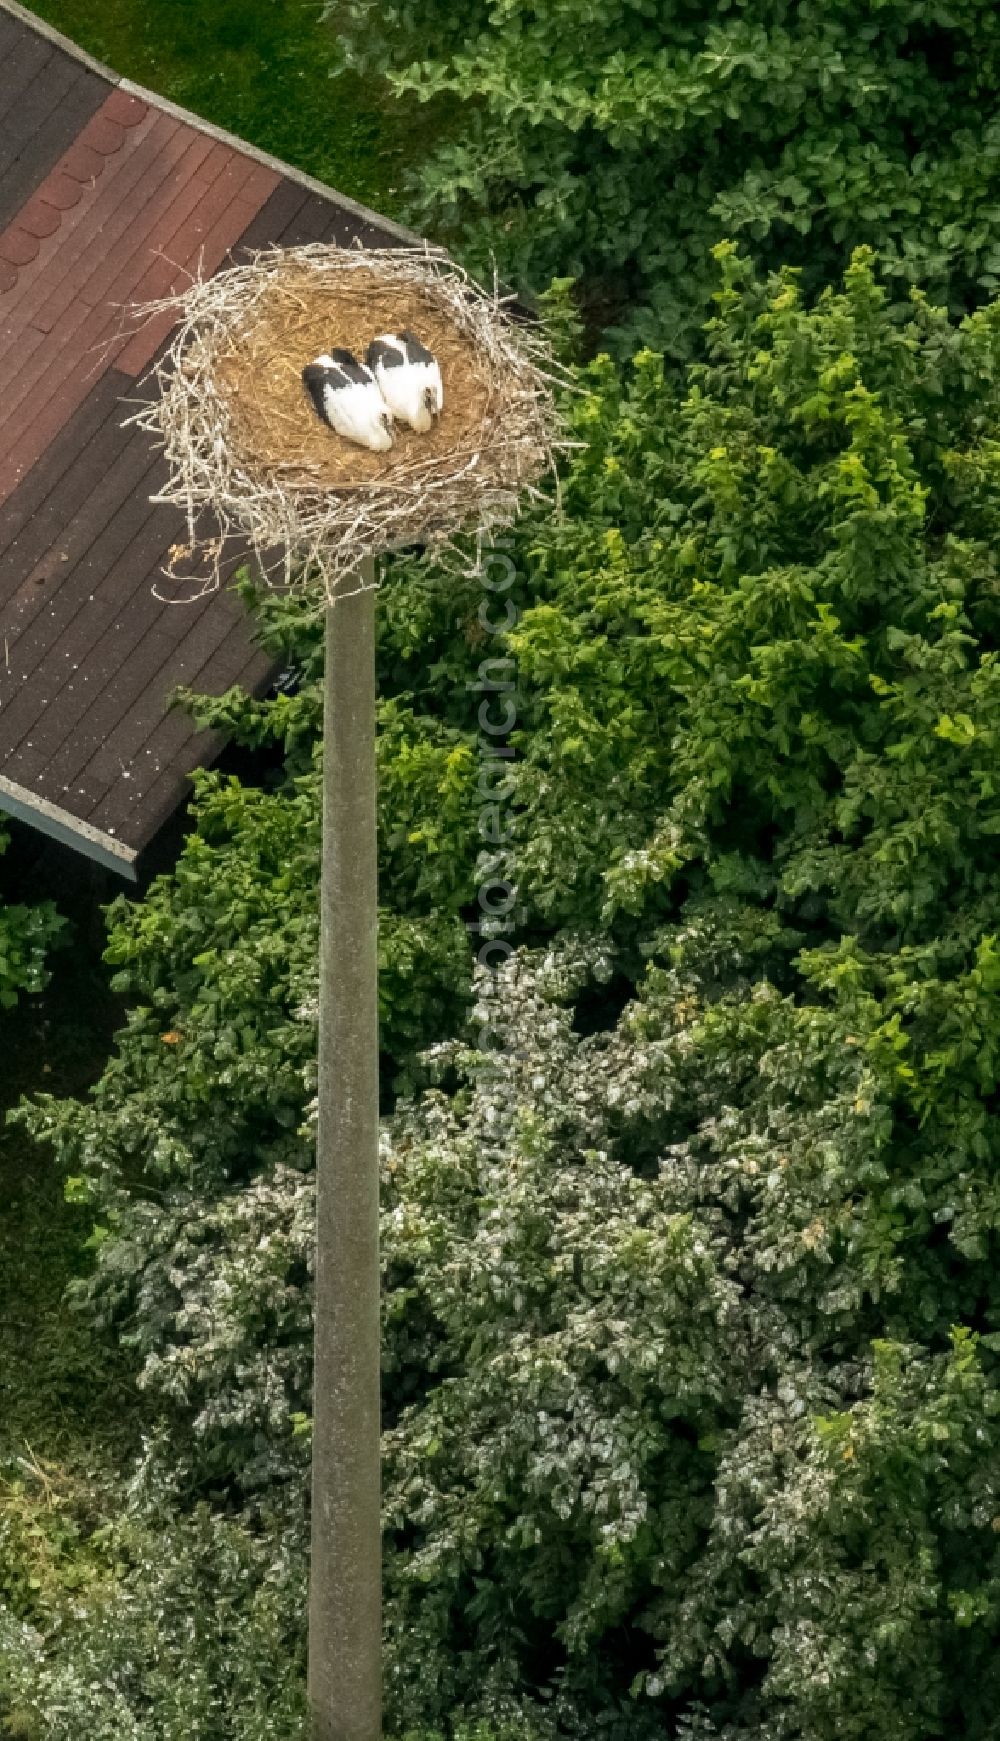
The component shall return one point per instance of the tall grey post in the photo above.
(345, 1678)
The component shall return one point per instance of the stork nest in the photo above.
(245, 447)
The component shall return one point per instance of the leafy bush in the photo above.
(761, 654)
(27, 934)
(193, 1634)
(691, 1305)
(679, 1430)
(699, 1435)
(620, 142)
(45, 1519)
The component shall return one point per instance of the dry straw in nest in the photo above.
(244, 445)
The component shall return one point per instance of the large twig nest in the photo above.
(247, 451)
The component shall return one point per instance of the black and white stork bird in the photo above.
(347, 396)
(410, 378)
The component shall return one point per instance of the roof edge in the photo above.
(68, 46)
(26, 806)
(287, 171)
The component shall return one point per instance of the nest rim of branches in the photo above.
(251, 465)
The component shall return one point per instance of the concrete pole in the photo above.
(345, 1595)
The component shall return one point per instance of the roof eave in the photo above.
(51, 819)
(407, 238)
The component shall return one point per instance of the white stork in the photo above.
(347, 396)
(410, 378)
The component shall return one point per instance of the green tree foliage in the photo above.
(191, 1631)
(691, 1307)
(701, 1445)
(620, 141)
(27, 935)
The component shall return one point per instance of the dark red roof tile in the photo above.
(60, 190)
(82, 162)
(17, 247)
(137, 182)
(103, 135)
(38, 218)
(125, 109)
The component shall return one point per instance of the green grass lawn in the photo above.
(260, 68)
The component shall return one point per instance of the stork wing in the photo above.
(415, 351)
(385, 353)
(314, 378)
(349, 370)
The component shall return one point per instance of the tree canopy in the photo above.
(619, 142)
(691, 1308)
(28, 934)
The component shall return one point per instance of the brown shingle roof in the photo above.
(109, 195)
